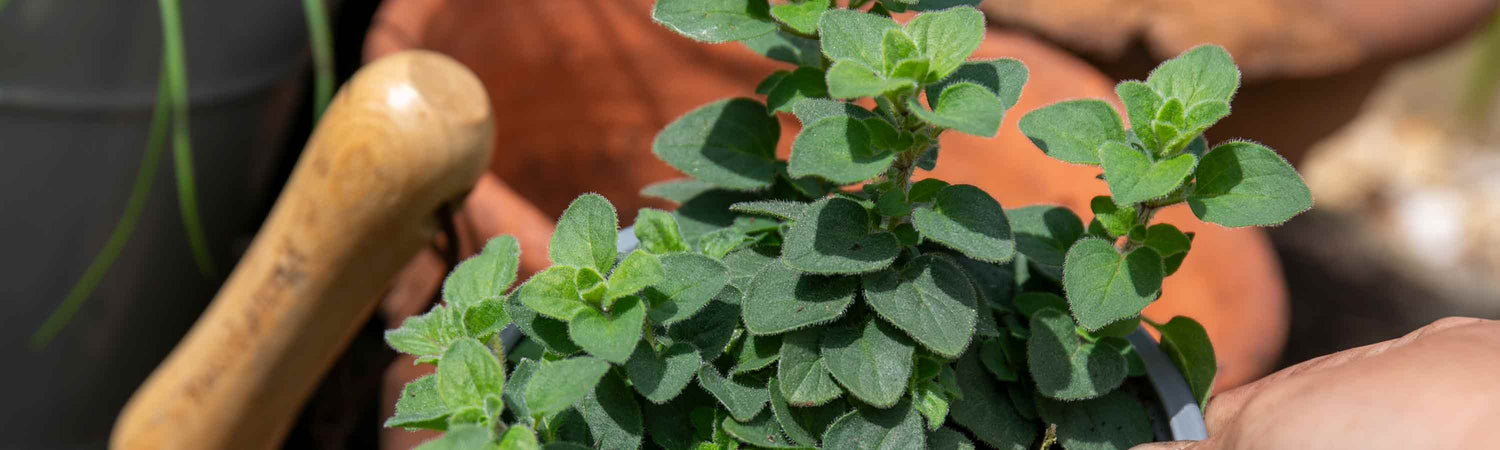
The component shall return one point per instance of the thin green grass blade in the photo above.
(182, 153)
(322, 53)
(140, 192)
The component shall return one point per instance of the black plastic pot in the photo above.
(1184, 419)
(77, 88)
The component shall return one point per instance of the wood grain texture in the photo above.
(409, 133)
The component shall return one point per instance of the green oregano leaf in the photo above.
(837, 149)
(1104, 285)
(1028, 303)
(1044, 233)
(661, 375)
(1065, 366)
(551, 333)
(1141, 106)
(485, 276)
(803, 426)
(926, 190)
(1169, 242)
(460, 438)
(849, 79)
(1116, 219)
(552, 293)
(986, 410)
(515, 387)
(658, 232)
(519, 437)
(947, 37)
(780, 299)
(781, 209)
(1186, 342)
(930, 400)
(713, 328)
(427, 335)
(762, 431)
(854, 35)
(964, 106)
(869, 358)
(812, 110)
(609, 336)
(557, 385)
(420, 406)
(1242, 184)
(467, 372)
(756, 352)
(948, 439)
(676, 191)
(742, 399)
(786, 47)
(934, 5)
(485, 319)
(802, 17)
(930, 299)
(694, 281)
(866, 428)
(1004, 77)
(967, 219)
(1134, 178)
(1203, 73)
(585, 234)
(1114, 421)
(612, 415)
(729, 143)
(1072, 131)
(801, 84)
(834, 237)
(897, 46)
(715, 21)
(801, 373)
(992, 354)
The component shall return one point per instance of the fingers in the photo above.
(1174, 445)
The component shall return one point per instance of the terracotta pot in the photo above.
(581, 87)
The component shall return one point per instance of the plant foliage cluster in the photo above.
(828, 300)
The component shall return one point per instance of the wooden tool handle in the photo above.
(409, 133)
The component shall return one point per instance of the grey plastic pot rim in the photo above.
(1184, 418)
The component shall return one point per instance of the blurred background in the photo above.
(1390, 109)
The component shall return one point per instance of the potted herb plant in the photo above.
(829, 300)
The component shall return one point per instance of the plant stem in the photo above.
(177, 90)
(322, 53)
(140, 192)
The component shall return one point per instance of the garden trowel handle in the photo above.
(408, 134)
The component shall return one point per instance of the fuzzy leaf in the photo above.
(1133, 178)
(658, 232)
(638, 270)
(729, 143)
(461, 438)
(1073, 130)
(966, 219)
(585, 234)
(756, 352)
(1186, 342)
(780, 299)
(1029, 303)
(557, 385)
(1067, 368)
(966, 107)
(742, 400)
(715, 21)
(762, 431)
(849, 79)
(930, 400)
(420, 406)
(812, 110)
(837, 149)
(1004, 77)
(934, 5)
(519, 437)
(1246, 184)
(467, 373)
(1116, 219)
(713, 328)
(694, 281)
(947, 38)
(1141, 104)
(930, 299)
(676, 191)
(612, 415)
(780, 209)
(1104, 286)
(485, 319)
(986, 410)
(803, 425)
(834, 238)
(897, 46)
(992, 354)
(1044, 232)
(801, 84)
(611, 336)
(484, 276)
(1203, 73)
(1112, 422)
(866, 428)
(948, 439)
(849, 34)
(427, 335)
(869, 358)
(551, 333)
(802, 17)
(660, 376)
(1169, 242)
(787, 48)
(515, 387)
(802, 374)
(552, 293)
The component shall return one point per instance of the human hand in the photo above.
(1435, 388)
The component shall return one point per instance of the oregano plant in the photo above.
(831, 300)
